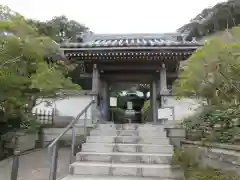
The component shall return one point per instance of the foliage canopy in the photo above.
(224, 15)
(27, 69)
(213, 71)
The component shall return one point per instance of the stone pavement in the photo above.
(35, 165)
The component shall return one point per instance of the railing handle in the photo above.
(53, 147)
(85, 128)
(15, 165)
(54, 159)
(73, 144)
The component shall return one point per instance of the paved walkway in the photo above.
(35, 165)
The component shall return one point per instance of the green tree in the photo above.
(213, 71)
(59, 28)
(222, 16)
(25, 72)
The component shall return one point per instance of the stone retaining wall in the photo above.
(175, 132)
(219, 156)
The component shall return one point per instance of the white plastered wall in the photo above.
(183, 107)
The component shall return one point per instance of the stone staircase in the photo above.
(125, 152)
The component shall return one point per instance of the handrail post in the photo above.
(73, 144)
(85, 128)
(54, 160)
(15, 165)
(173, 113)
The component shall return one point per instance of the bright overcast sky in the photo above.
(116, 16)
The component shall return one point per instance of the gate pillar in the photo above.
(95, 93)
(163, 81)
(105, 101)
(153, 101)
(95, 83)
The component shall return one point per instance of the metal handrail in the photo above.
(53, 147)
(15, 165)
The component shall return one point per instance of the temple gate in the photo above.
(131, 58)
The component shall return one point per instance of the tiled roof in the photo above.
(131, 40)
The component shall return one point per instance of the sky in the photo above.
(116, 16)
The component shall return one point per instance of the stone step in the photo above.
(128, 140)
(157, 127)
(127, 169)
(96, 132)
(100, 139)
(106, 126)
(140, 126)
(111, 147)
(121, 157)
(129, 126)
(160, 133)
(144, 128)
(90, 177)
(105, 132)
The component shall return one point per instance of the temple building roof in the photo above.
(130, 40)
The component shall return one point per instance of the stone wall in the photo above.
(175, 132)
(219, 156)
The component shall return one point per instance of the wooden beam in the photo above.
(136, 74)
(103, 75)
(135, 77)
(130, 67)
(135, 81)
(126, 76)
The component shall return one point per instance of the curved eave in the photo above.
(123, 55)
(128, 53)
(189, 47)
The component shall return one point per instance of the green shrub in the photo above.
(146, 107)
(195, 121)
(211, 174)
(186, 159)
(223, 124)
(31, 124)
(219, 124)
(189, 160)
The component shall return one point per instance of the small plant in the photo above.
(223, 124)
(30, 125)
(146, 107)
(186, 159)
